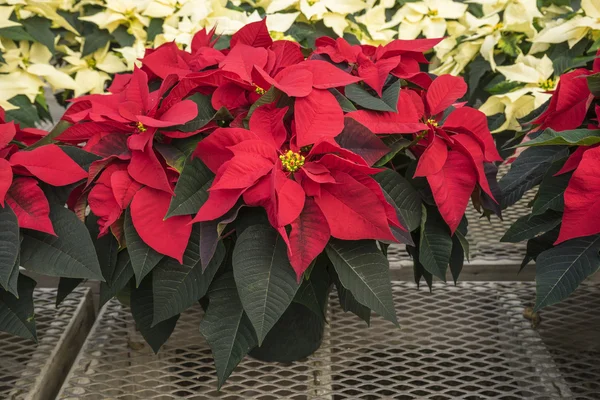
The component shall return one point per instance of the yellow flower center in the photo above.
(140, 127)
(432, 122)
(498, 26)
(547, 84)
(311, 2)
(91, 62)
(433, 13)
(259, 90)
(291, 161)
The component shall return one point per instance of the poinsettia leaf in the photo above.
(143, 257)
(210, 233)
(155, 27)
(9, 249)
(142, 309)
(388, 101)
(396, 143)
(191, 191)
(349, 303)
(316, 285)
(418, 270)
(539, 244)
(435, 245)
(226, 327)
(346, 104)
(364, 271)
(529, 226)
(179, 286)
(593, 82)
(405, 197)
(551, 193)
(59, 128)
(265, 279)
(174, 157)
(17, 315)
(117, 280)
(206, 114)
(70, 254)
(95, 40)
(560, 270)
(360, 140)
(527, 171)
(457, 258)
(107, 247)
(575, 137)
(307, 296)
(39, 29)
(401, 235)
(65, 288)
(83, 158)
(271, 95)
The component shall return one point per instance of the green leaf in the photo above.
(226, 327)
(387, 102)
(539, 244)
(509, 44)
(527, 171)
(59, 128)
(349, 303)
(576, 137)
(496, 121)
(435, 244)
(314, 292)
(95, 41)
(405, 197)
(143, 257)
(307, 296)
(9, 249)
(39, 29)
(346, 104)
(477, 68)
(206, 113)
(561, 269)
(396, 143)
(503, 87)
(16, 33)
(122, 37)
(26, 115)
(117, 279)
(142, 309)
(179, 286)
(265, 279)
(364, 271)
(17, 316)
(191, 191)
(550, 195)
(593, 82)
(565, 57)
(65, 288)
(529, 226)
(83, 158)
(154, 28)
(457, 258)
(107, 247)
(418, 270)
(273, 94)
(174, 157)
(70, 254)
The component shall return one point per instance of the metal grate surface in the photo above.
(484, 236)
(28, 371)
(467, 342)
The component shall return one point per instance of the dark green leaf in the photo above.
(26, 115)
(191, 191)
(9, 249)
(39, 29)
(346, 104)
(388, 101)
(266, 281)
(83, 158)
(107, 247)
(179, 286)
(143, 257)
(117, 279)
(538, 244)
(273, 94)
(174, 157)
(364, 271)
(349, 303)
(576, 137)
(496, 121)
(457, 258)
(142, 309)
(396, 143)
(16, 33)
(530, 226)
(154, 28)
(122, 37)
(560, 270)
(527, 171)
(477, 68)
(226, 327)
(17, 316)
(70, 254)
(550, 195)
(405, 197)
(60, 127)
(593, 82)
(65, 288)
(360, 140)
(503, 87)
(418, 270)
(435, 244)
(206, 113)
(95, 41)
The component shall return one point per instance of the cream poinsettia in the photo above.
(132, 54)
(30, 64)
(94, 70)
(574, 29)
(374, 19)
(428, 17)
(536, 75)
(47, 9)
(122, 12)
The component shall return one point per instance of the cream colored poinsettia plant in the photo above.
(504, 47)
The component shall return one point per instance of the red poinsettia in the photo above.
(320, 192)
(21, 169)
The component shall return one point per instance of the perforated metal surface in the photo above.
(467, 342)
(23, 364)
(484, 236)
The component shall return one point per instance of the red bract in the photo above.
(320, 192)
(19, 169)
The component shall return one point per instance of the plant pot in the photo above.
(297, 335)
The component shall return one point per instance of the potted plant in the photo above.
(559, 155)
(256, 177)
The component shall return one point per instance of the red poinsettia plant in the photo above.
(36, 231)
(254, 176)
(562, 156)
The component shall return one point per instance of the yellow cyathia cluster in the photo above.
(291, 161)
